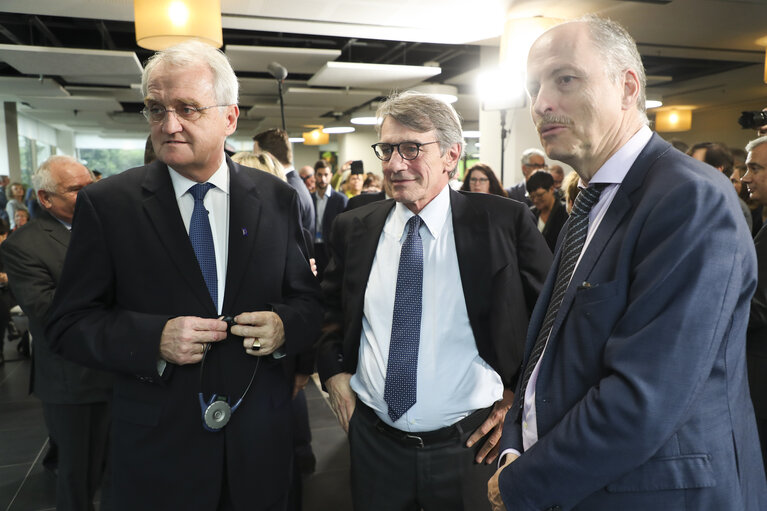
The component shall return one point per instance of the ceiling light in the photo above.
(163, 23)
(296, 140)
(337, 128)
(652, 103)
(315, 137)
(673, 119)
(369, 120)
(446, 93)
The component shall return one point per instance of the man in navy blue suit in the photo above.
(640, 399)
(327, 204)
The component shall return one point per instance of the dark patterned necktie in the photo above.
(571, 251)
(400, 387)
(202, 239)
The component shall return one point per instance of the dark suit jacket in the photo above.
(757, 331)
(131, 268)
(335, 205)
(641, 399)
(502, 260)
(518, 192)
(33, 258)
(364, 198)
(305, 202)
(556, 221)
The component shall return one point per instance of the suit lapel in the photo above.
(244, 214)
(471, 232)
(162, 208)
(55, 229)
(361, 250)
(619, 207)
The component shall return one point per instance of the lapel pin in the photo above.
(244, 231)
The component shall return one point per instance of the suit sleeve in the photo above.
(662, 341)
(86, 324)
(30, 280)
(534, 257)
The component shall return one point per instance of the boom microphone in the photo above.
(277, 71)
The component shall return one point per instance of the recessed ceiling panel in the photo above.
(334, 98)
(121, 94)
(371, 76)
(14, 86)
(115, 80)
(43, 60)
(295, 60)
(264, 86)
(265, 110)
(79, 103)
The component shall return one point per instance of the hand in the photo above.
(494, 488)
(300, 382)
(493, 425)
(313, 265)
(265, 327)
(183, 338)
(4, 278)
(342, 398)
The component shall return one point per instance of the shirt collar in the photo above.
(328, 191)
(220, 179)
(615, 169)
(433, 215)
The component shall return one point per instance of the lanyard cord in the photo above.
(202, 369)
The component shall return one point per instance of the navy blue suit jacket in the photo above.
(642, 401)
(336, 204)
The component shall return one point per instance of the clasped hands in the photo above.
(184, 338)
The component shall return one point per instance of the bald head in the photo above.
(57, 182)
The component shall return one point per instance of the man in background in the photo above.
(328, 203)
(307, 176)
(532, 161)
(75, 399)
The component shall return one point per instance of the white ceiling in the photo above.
(704, 29)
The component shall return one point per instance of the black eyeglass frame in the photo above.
(417, 145)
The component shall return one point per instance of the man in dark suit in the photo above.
(633, 394)
(532, 161)
(328, 203)
(364, 198)
(75, 399)
(277, 142)
(428, 298)
(201, 409)
(756, 180)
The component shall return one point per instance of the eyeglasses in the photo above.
(535, 165)
(478, 180)
(156, 113)
(408, 150)
(538, 195)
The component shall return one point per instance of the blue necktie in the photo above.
(571, 251)
(202, 239)
(400, 388)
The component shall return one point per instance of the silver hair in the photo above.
(756, 143)
(421, 112)
(620, 53)
(190, 53)
(530, 152)
(42, 178)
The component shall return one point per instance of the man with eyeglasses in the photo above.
(533, 160)
(428, 295)
(188, 279)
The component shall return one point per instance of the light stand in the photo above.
(279, 73)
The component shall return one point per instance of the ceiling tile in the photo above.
(43, 60)
(295, 60)
(13, 86)
(334, 98)
(79, 103)
(371, 76)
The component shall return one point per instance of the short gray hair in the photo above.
(421, 112)
(619, 51)
(756, 143)
(42, 178)
(530, 152)
(189, 53)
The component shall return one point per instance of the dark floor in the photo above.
(26, 486)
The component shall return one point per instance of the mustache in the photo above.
(553, 119)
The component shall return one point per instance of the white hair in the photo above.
(532, 152)
(756, 143)
(42, 178)
(190, 53)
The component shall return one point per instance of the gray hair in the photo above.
(620, 53)
(756, 143)
(189, 53)
(531, 152)
(42, 178)
(421, 112)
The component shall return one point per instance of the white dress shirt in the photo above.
(322, 202)
(612, 174)
(216, 201)
(452, 379)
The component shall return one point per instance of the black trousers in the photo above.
(81, 432)
(390, 476)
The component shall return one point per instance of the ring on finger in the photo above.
(256, 344)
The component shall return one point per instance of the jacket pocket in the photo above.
(668, 473)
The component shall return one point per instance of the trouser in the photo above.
(81, 432)
(390, 474)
